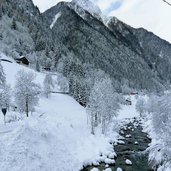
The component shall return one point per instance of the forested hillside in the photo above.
(72, 38)
(78, 91)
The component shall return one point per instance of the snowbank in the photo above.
(128, 111)
(55, 137)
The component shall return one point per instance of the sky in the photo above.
(153, 15)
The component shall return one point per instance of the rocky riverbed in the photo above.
(130, 149)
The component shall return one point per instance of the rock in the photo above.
(112, 155)
(118, 169)
(128, 136)
(129, 142)
(128, 162)
(109, 161)
(106, 165)
(120, 142)
(136, 143)
(94, 169)
(122, 132)
(108, 169)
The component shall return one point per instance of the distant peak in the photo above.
(88, 5)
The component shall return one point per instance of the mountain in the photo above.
(78, 37)
(118, 49)
(154, 50)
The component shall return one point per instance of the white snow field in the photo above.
(55, 137)
(128, 111)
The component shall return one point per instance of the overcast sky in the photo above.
(154, 15)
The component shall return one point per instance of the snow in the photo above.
(108, 169)
(136, 143)
(119, 169)
(112, 155)
(109, 161)
(128, 111)
(94, 169)
(89, 6)
(11, 70)
(55, 137)
(128, 136)
(120, 142)
(57, 16)
(128, 162)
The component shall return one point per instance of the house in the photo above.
(22, 60)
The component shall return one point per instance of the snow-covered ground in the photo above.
(56, 136)
(128, 111)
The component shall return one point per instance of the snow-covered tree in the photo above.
(26, 92)
(151, 104)
(141, 105)
(2, 76)
(48, 85)
(5, 96)
(63, 83)
(37, 66)
(102, 105)
(3, 89)
(161, 123)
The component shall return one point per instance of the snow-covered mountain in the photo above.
(75, 40)
(88, 5)
(120, 47)
(79, 29)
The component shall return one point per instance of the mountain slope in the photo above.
(56, 136)
(154, 50)
(92, 42)
(72, 29)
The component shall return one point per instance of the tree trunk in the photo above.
(103, 126)
(96, 120)
(27, 110)
(4, 120)
(92, 124)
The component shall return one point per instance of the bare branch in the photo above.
(167, 2)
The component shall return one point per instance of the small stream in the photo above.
(132, 146)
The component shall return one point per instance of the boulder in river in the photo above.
(128, 162)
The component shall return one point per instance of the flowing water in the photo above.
(132, 146)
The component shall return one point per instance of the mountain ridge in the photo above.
(135, 56)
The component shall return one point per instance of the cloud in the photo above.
(44, 5)
(153, 15)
